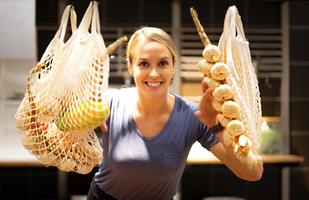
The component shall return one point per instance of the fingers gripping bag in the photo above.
(229, 72)
(63, 100)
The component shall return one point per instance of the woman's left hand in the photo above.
(206, 113)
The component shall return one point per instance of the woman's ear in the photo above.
(130, 68)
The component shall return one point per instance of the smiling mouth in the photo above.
(153, 84)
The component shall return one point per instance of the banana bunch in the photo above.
(216, 73)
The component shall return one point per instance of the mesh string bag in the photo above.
(236, 54)
(229, 72)
(63, 102)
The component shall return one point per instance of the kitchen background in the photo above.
(278, 34)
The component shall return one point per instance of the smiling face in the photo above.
(151, 58)
(152, 67)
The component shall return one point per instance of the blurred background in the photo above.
(278, 34)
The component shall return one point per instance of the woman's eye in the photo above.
(143, 64)
(163, 63)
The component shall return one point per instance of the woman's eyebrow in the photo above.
(142, 59)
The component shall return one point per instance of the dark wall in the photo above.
(299, 96)
(212, 12)
(208, 181)
(28, 183)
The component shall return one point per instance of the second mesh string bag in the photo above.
(229, 72)
(243, 79)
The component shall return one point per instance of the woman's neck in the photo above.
(154, 105)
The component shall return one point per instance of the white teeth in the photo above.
(156, 84)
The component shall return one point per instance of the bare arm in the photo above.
(208, 115)
(239, 168)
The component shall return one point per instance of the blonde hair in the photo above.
(152, 34)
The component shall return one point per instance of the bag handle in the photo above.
(73, 20)
(85, 23)
(233, 25)
(95, 23)
(239, 26)
(63, 23)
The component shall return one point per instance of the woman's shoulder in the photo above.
(185, 104)
(117, 94)
(119, 91)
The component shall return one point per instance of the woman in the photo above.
(150, 131)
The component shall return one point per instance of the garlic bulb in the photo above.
(211, 83)
(235, 127)
(243, 140)
(231, 109)
(211, 53)
(84, 169)
(67, 165)
(223, 120)
(49, 158)
(204, 67)
(223, 93)
(219, 71)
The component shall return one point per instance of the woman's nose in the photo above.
(154, 72)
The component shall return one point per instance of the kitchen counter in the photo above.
(18, 156)
(200, 156)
